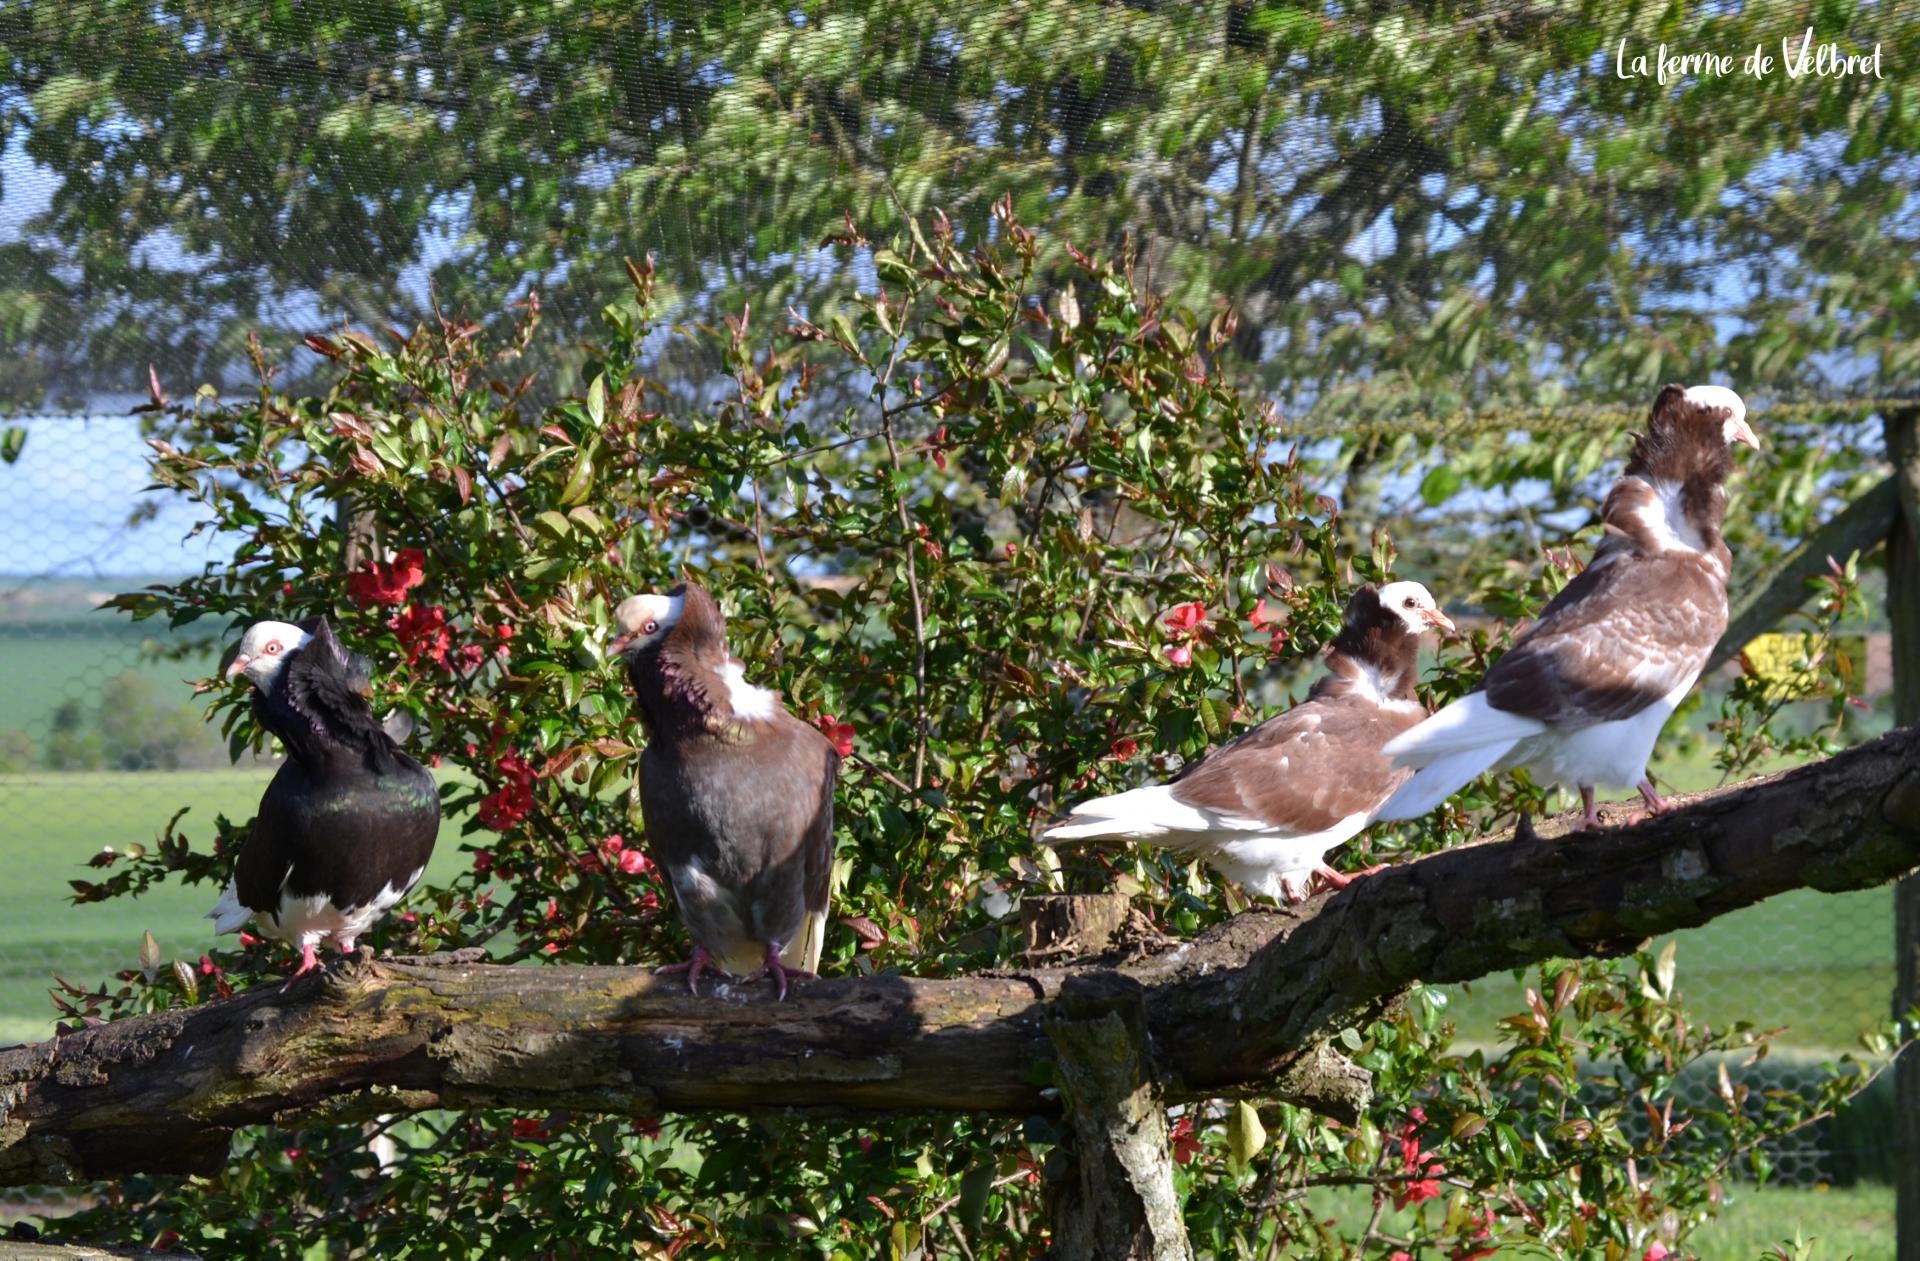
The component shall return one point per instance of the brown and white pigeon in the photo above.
(736, 792)
(1582, 695)
(345, 828)
(1265, 808)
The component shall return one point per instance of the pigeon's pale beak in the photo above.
(618, 644)
(239, 665)
(1439, 620)
(1743, 432)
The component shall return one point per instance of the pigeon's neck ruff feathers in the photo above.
(687, 683)
(317, 705)
(1375, 657)
(1672, 495)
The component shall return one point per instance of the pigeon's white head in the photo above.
(264, 649)
(644, 620)
(1414, 605)
(1733, 427)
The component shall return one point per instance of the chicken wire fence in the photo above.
(1453, 222)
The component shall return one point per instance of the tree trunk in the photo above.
(1903, 610)
(1249, 1008)
(1111, 1195)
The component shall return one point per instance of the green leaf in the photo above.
(149, 955)
(579, 481)
(553, 525)
(1215, 714)
(597, 401)
(1245, 1135)
(12, 441)
(1663, 969)
(1439, 485)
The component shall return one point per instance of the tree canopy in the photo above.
(1411, 209)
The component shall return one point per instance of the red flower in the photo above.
(209, 968)
(1400, 1256)
(472, 656)
(1013, 550)
(841, 733)
(1123, 748)
(1186, 617)
(552, 947)
(937, 445)
(634, 863)
(646, 1127)
(1186, 1144)
(248, 939)
(483, 861)
(1417, 1192)
(1655, 1251)
(1180, 655)
(502, 809)
(388, 583)
(1262, 617)
(293, 1153)
(527, 1127)
(423, 633)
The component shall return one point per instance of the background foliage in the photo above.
(1050, 552)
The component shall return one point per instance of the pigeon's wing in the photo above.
(1303, 771)
(1618, 638)
(816, 848)
(265, 861)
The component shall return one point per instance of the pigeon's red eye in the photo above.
(650, 627)
(272, 648)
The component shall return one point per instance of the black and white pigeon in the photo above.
(1266, 808)
(737, 794)
(348, 822)
(1580, 698)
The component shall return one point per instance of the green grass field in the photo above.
(50, 824)
(1837, 1223)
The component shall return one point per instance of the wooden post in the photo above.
(1110, 1193)
(1903, 611)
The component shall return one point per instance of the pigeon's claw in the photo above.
(1590, 816)
(699, 962)
(780, 973)
(309, 962)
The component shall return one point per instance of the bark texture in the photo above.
(1248, 1008)
(1112, 1190)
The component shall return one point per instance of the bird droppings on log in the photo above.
(1247, 1008)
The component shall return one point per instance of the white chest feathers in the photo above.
(746, 700)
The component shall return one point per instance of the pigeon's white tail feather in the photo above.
(803, 952)
(1142, 814)
(1469, 723)
(228, 915)
(1440, 779)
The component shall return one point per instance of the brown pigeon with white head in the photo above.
(1266, 808)
(1580, 698)
(736, 792)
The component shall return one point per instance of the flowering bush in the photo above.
(974, 532)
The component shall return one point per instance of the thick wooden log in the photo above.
(1248, 1008)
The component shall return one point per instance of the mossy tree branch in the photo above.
(1248, 1008)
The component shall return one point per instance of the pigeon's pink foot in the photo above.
(700, 962)
(309, 962)
(1340, 879)
(1590, 817)
(1656, 804)
(779, 971)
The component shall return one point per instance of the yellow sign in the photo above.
(1792, 663)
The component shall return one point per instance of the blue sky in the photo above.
(64, 506)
